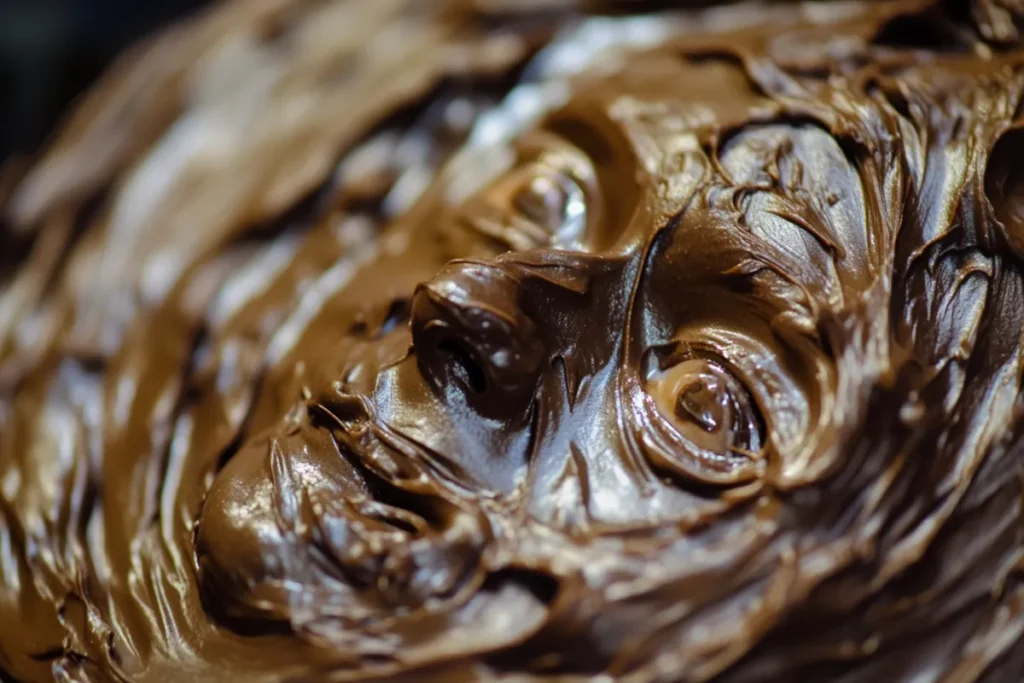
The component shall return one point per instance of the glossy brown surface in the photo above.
(453, 341)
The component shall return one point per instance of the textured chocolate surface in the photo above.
(523, 340)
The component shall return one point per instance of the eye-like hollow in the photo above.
(547, 198)
(708, 407)
(550, 199)
(700, 420)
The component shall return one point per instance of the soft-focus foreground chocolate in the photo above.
(386, 339)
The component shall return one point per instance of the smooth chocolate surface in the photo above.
(496, 340)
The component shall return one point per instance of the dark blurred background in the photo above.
(50, 50)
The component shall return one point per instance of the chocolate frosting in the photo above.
(396, 340)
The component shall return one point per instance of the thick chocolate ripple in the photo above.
(499, 340)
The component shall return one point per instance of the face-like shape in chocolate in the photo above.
(710, 370)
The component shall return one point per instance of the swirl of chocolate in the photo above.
(392, 340)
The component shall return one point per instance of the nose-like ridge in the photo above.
(471, 333)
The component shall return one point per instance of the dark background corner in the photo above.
(51, 50)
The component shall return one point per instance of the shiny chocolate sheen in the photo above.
(395, 340)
